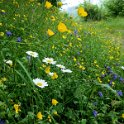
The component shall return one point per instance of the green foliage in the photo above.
(115, 7)
(94, 11)
(93, 57)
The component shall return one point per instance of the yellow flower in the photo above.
(1, 34)
(39, 116)
(53, 18)
(82, 12)
(54, 76)
(4, 79)
(49, 118)
(62, 27)
(79, 39)
(54, 101)
(53, 47)
(82, 67)
(55, 113)
(50, 32)
(122, 115)
(64, 37)
(59, 4)
(74, 59)
(48, 5)
(47, 69)
(99, 80)
(1, 24)
(16, 107)
(3, 11)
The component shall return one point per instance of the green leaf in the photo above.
(83, 121)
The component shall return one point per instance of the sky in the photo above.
(73, 3)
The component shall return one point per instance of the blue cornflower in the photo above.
(100, 94)
(95, 113)
(120, 93)
(2, 121)
(8, 33)
(121, 79)
(114, 76)
(19, 39)
(75, 32)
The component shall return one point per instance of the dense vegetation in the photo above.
(55, 70)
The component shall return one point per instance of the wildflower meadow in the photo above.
(55, 69)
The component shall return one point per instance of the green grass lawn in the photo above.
(112, 28)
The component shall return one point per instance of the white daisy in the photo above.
(49, 61)
(51, 74)
(66, 70)
(60, 66)
(122, 67)
(33, 54)
(40, 83)
(9, 62)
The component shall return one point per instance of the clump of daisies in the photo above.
(51, 61)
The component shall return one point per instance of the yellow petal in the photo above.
(48, 5)
(62, 27)
(39, 116)
(50, 32)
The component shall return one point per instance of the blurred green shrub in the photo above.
(94, 11)
(115, 7)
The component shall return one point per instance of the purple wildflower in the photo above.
(8, 33)
(19, 39)
(100, 94)
(120, 93)
(121, 79)
(95, 113)
(114, 76)
(2, 121)
(75, 32)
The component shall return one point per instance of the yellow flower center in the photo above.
(49, 61)
(32, 53)
(39, 84)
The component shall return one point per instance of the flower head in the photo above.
(66, 70)
(122, 67)
(48, 5)
(2, 121)
(100, 94)
(39, 116)
(9, 62)
(62, 27)
(17, 108)
(54, 102)
(1, 34)
(59, 4)
(122, 115)
(60, 66)
(19, 39)
(120, 93)
(53, 18)
(95, 113)
(54, 76)
(82, 12)
(40, 83)
(33, 54)
(50, 32)
(49, 61)
(3, 11)
(8, 33)
(47, 69)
